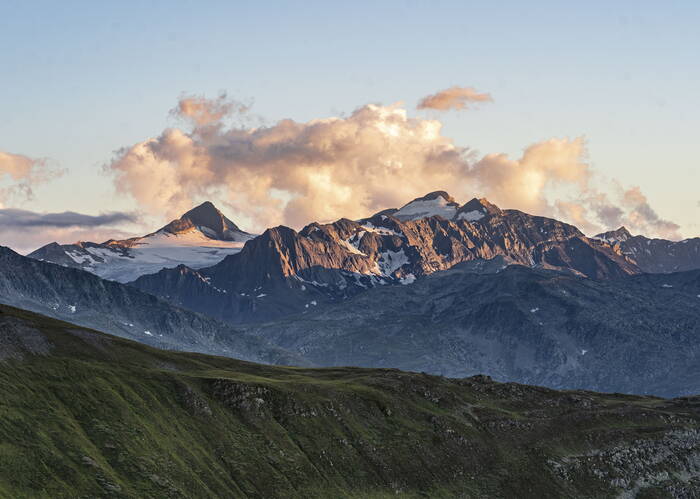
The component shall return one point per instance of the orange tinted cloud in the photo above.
(202, 111)
(458, 98)
(19, 174)
(293, 172)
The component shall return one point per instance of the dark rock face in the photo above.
(655, 255)
(85, 299)
(208, 217)
(477, 209)
(283, 271)
(636, 334)
(54, 253)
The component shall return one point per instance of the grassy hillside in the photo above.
(83, 414)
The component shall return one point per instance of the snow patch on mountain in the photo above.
(153, 254)
(390, 261)
(352, 244)
(408, 279)
(382, 231)
(423, 208)
(471, 216)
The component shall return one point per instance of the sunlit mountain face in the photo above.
(283, 272)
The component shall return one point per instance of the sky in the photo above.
(588, 106)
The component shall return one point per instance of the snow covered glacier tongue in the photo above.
(200, 238)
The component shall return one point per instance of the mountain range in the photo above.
(474, 303)
(432, 286)
(282, 271)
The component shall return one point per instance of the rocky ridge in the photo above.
(284, 271)
(655, 255)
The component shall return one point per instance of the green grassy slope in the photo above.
(83, 414)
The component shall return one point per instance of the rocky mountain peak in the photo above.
(440, 203)
(435, 195)
(476, 209)
(207, 217)
(615, 236)
(437, 203)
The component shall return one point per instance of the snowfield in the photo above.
(427, 208)
(154, 252)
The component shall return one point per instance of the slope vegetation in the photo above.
(83, 414)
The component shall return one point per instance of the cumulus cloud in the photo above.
(526, 182)
(378, 157)
(292, 172)
(19, 174)
(644, 218)
(17, 219)
(458, 98)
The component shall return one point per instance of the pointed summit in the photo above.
(437, 203)
(476, 209)
(615, 236)
(209, 220)
(207, 215)
(435, 195)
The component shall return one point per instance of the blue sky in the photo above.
(83, 79)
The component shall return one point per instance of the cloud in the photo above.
(624, 207)
(458, 98)
(526, 182)
(201, 111)
(26, 231)
(644, 219)
(610, 215)
(293, 172)
(19, 174)
(17, 219)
